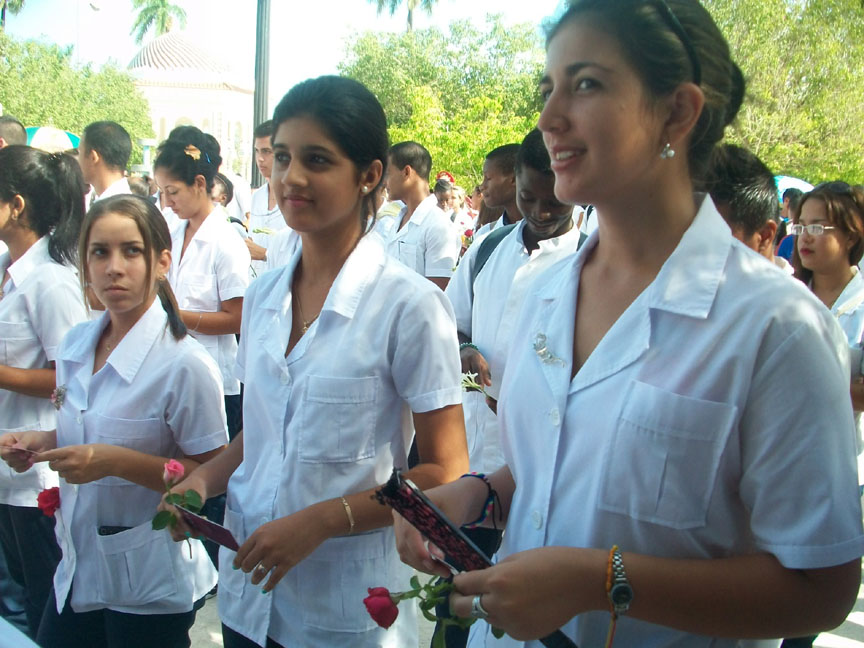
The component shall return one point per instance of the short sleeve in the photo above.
(442, 247)
(232, 268)
(195, 411)
(55, 307)
(798, 428)
(460, 291)
(425, 365)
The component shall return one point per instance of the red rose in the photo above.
(381, 607)
(48, 501)
(469, 233)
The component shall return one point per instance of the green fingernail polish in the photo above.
(263, 591)
(188, 535)
(234, 567)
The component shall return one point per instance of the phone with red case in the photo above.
(210, 530)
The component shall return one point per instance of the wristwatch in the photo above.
(620, 593)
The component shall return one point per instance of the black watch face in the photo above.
(621, 594)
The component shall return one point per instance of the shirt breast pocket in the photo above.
(339, 419)
(142, 435)
(662, 463)
(16, 343)
(201, 293)
(408, 254)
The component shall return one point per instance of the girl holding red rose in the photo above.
(136, 391)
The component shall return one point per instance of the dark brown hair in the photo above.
(154, 232)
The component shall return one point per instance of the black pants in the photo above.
(799, 642)
(231, 639)
(32, 554)
(487, 541)
(110, 629)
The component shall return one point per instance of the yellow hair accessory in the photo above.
(193, 151)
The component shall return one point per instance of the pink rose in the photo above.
(174, 471)
(381, 607)
(48, 501)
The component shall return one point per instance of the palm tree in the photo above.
(155, 14)
(393, 5)
(13, 6)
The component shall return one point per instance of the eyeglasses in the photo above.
(817, 229)
(674, 24)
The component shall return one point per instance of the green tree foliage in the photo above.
(41, 88)
(804, 65)
(411, 5)
(9, 6)
(459, 93)
(158, 15)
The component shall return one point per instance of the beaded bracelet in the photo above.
(468, 345)
(488, 505)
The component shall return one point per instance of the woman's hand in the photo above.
(277, 546)
(531, 594)
(474, 362)
(181, 531)
(19, 449)
(80, 464)
(416, 551)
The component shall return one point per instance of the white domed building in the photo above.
(186, 86)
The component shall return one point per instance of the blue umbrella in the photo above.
(788, 182)
(50, 139)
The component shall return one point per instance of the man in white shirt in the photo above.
(499, 187)
(423, 238)
(103, 153)
(265, 219)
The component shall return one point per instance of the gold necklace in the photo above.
(306, 325)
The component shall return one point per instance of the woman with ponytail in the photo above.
(41, 207)
(659, 489)
(136, 391)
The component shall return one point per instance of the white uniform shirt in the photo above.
(673, 439)
(427, 242)
(283, 246)
(42, 302)
(117, 188)
(214, 269)
(263, 218)
(155, 395)
(241, 203)
(488, 227)
(487, 314)
(333, 418)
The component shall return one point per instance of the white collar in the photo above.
(35, 256)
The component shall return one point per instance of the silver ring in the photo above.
(477, 609)
(261, 569)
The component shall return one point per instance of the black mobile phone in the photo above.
(112, 530)
(407, 500)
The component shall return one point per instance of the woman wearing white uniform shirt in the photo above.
(41, 207)
(137, 391)
(210, 265)
(336, 348)
(655, 470)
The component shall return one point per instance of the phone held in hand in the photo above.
(210, 530)
(462, 554)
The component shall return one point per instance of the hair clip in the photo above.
(194, 152)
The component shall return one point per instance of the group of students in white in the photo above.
(635, 437)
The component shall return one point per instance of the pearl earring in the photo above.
(364, 189)
(668, 152)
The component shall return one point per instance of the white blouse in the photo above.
(156, 395)
(673, 438)
(427, 243)
(42, 301)
(263, 218)
(214, 269)
(330, 419)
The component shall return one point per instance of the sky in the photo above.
(307, 38)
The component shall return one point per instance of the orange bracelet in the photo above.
(610, 636)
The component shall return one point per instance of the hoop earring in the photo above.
(668, 152)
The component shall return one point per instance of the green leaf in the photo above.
(428, 604)
(438, 640)
(415, 582)
(429, 616)
(193, 500)
(174, 498)
(161, 520)
(497, 632)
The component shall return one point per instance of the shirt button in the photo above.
(537, 519)
(555, 417)
(78, 419)
(284, 379)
